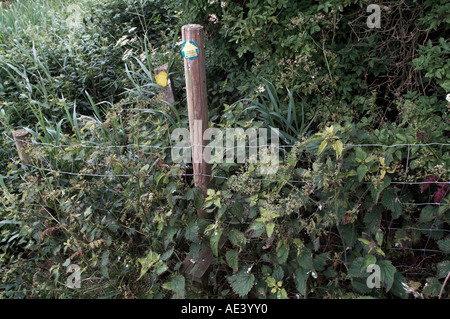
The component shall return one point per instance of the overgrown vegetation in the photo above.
(363, 116)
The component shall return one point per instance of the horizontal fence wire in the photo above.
(140, 146)
(102, 146)
(216, 176)
(410, 270)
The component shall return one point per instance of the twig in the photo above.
(443, 286)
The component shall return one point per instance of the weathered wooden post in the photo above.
(194, 69)
(162, 78)
(20, 139)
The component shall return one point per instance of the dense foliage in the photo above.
(363, 176)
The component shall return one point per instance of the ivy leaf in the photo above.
(242, 282)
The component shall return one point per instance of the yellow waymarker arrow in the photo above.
(161, 78)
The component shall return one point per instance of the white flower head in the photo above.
(122, 41)
(127, 54)
(448, 97)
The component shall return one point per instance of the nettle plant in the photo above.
(330, 211)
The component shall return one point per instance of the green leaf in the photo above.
(361, 170)
(167, 254)
(278, 273)
(242, 282)
(171, 188)
(355, 269)
(338, 146)
(360, 155)
(432, 288)
(5, 189)
(300, 278)
(360, 285)
(209, 228)
(269, 229)
(198, 197)
(237, 238)
(305, 259)
(214, 241)
(376, 189)
(387, 273)
(161, 268)
(368, 260)
(148, 262)
(443, 268)
(191, 231)
(388, 198)
(88, 212)
(444, 245)
(257, 228)
(364, 241)
(379, 237)
(177, 285)
(282, 252)
(67, 262)
(232, 259)
(320, 261)
(322, 147)
(427, 214)
(397, 287)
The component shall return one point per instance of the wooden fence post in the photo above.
(21, 138)
(162, 78)
(194, 69)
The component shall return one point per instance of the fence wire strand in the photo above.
(142, 147)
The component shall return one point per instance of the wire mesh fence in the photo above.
(104, 170)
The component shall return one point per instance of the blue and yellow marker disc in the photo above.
(189, 50)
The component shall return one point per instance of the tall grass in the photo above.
(286, 115)
(30, 16)
(50, 71)
(38, 52)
